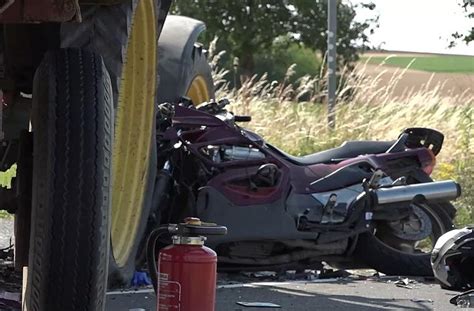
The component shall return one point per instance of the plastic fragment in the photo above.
(141, 279)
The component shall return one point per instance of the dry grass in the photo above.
(365, 110)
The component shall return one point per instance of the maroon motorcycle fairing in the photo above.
(201, 129)
(273, 210)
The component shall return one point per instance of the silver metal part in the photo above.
(349, 194)
(188, 240)
(172, 228)
(415, 227)
(242, 153)
(221, 153)
(345, 195)
(400, 181)
(374, 181)
(439, 190)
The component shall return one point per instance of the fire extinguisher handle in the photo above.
(203, 229)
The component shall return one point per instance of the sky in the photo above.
(419, 25)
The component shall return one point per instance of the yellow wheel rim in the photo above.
(198, 91)
(133, 131)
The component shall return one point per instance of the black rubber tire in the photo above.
(174, 84)
(73, 129)
(201, 67)
(106, 30)
(386, 259)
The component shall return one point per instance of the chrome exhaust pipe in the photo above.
(432, 191)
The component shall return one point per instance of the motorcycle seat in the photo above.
(349, 149)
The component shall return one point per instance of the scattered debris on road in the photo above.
(421, 300)
(405, 283)
(258, 304)
(10, 301)
(464, 300)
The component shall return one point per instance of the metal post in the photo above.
(331, 59)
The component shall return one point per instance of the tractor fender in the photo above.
(176, 46)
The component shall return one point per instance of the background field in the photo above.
(424, 62)
(449, 75)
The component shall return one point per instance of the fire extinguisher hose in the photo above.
(151, 251)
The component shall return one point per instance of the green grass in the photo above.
(442, 63)
(6, 177)
(5, 181)
(5, 214)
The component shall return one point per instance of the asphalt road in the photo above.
(6, 232)
(332, 294)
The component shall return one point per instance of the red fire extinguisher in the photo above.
(187, 270)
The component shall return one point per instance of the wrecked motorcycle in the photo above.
(363, 204)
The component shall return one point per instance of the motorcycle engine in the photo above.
(224, 153)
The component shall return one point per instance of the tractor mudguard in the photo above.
(175, 48)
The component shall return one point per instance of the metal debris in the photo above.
(421, 300)
(261, 274)
(258, 304)
(305, 275)
(330, 273)
(405, 283)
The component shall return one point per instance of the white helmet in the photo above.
(452, 259)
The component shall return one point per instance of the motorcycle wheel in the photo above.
(392, 255)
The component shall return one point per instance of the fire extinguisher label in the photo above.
(169, 294)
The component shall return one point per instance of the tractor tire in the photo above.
(200, 85)
(183, 66)
(72, 119)
(193, 81)
(126, 36)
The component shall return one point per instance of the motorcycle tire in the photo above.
(386, 259)
(126, 36)
(72, 121)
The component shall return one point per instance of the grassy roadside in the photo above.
(5, 214)
(6, 177)
(5, 181)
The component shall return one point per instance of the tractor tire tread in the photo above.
(71, 199)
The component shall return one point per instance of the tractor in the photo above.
(80, 82)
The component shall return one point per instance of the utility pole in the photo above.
(331, 59)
